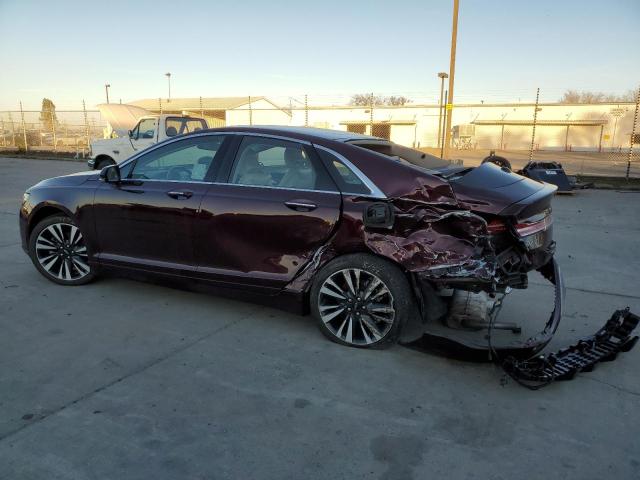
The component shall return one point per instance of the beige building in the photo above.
(508, 126)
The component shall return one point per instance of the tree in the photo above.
(48, 115)
(574, 96)
(365, 100)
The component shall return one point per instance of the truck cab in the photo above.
(132, 129)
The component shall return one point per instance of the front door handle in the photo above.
(301, 205)
(180, 194)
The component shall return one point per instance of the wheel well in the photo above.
(101, 158)
(41, 214)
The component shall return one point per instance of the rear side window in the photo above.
(268, 162)
(181, 125)
(347, 180)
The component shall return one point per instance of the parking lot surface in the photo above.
(127, 380)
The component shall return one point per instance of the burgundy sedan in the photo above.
(368, 236)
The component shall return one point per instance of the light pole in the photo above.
(442, 76)
(168, 75)
(106, 89)
(452, 71)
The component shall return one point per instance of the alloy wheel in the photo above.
(61, 252)
(356, 306)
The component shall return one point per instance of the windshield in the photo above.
(403, 154)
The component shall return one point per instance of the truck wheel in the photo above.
(360, 300)
(102, 162)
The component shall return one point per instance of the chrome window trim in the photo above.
(277, 188)
(373, 188)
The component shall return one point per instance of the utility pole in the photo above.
(452, 72)
(446, 112)
(106, 90)
(168, 75)
(442, 76)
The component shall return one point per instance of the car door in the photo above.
(273, 208)
(144, 134)
(147, 220)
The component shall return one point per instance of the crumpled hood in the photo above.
(122, 117)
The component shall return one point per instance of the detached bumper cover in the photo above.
(614, 337)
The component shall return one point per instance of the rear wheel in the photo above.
(58, 250)
(361, 301)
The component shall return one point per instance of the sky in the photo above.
(67, 50)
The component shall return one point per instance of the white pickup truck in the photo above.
(133, 129)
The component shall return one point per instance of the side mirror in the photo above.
(130, 133)
(110, 174)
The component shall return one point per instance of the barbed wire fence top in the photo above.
(588, 138)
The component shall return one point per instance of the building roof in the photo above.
(208, 103)
(306, 133)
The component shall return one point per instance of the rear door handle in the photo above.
(179, 194)
(301, 205)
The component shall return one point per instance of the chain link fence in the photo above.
(595, 138)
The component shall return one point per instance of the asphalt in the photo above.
(127, 380)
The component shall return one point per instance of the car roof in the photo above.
(305, 133)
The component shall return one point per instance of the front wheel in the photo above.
(58, 250)
(362, 301)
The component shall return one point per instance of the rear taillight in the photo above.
(496, 226)
(530, 227)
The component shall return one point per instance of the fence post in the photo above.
(13, 131)
(201, 110)
(160, 103)
(4, 140)
(53, 131)
(633, 133)
(250, 112)
(86, 124)
(24, 130)
(306, 111)
(371, 115)
(535, 118)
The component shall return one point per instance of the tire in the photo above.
(500, 161)
(64, 264)
(369, 324)
(104, 162)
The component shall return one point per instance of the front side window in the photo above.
(277, 163)
(146, 128)
(185, 160)
(347, 180)
(181, 125)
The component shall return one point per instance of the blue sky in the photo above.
(67, 50)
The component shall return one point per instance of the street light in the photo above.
(442, 76)
(106, 89)
(452, 71)
(168, 75)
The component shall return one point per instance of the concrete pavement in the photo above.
(127, 380)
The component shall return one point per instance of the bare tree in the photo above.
(48, 114)
(574, 96)
(365, 100)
